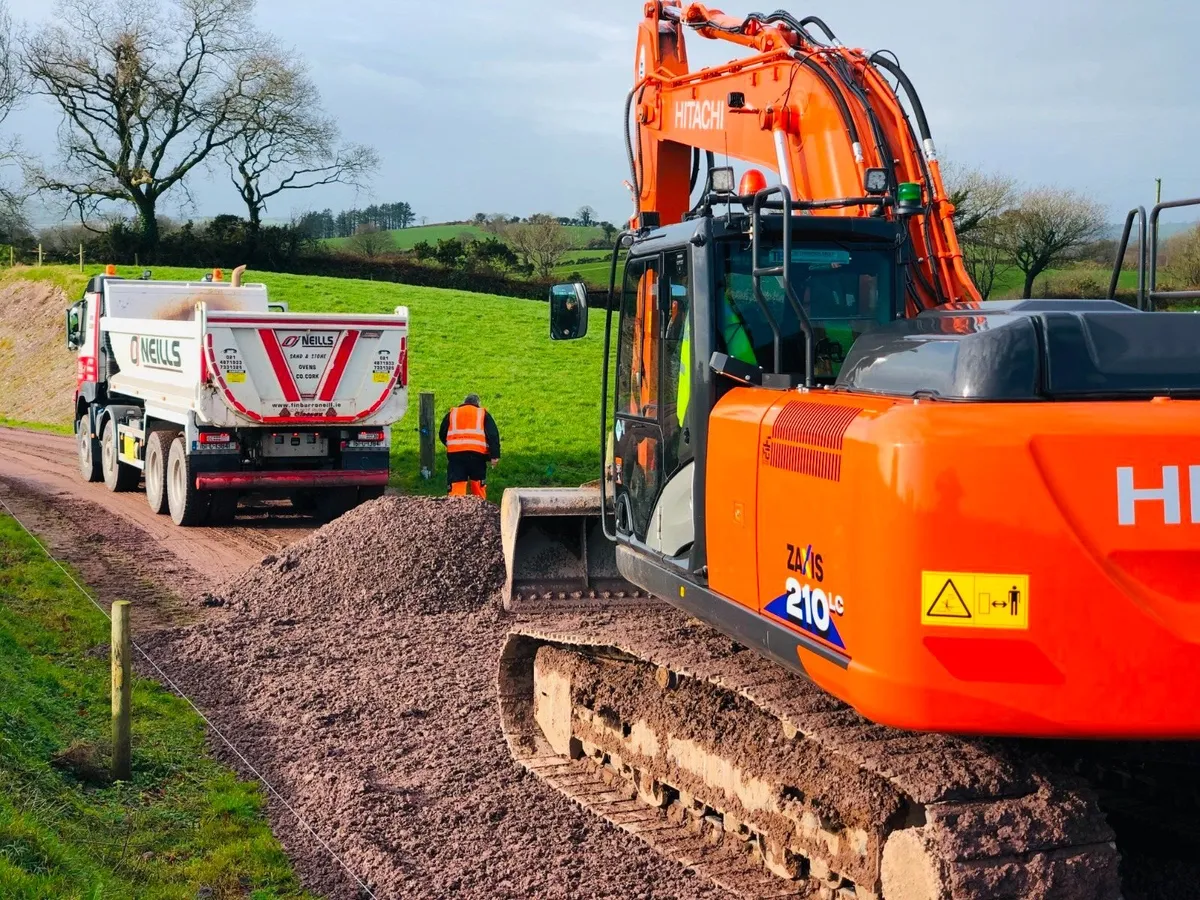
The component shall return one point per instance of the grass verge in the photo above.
(184, 827)
(53, 427)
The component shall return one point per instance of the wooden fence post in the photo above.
(428, 440)
(39, 256)
(81, 256)
(122, 692)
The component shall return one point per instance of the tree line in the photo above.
(382, 216)
(1003, 226)
(152, 94)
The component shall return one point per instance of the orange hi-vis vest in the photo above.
(466, 434)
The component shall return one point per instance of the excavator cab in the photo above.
(704, 306)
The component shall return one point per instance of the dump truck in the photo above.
(207, 391)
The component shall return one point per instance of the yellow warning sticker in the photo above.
(235, 377)
(380, 376)
(975, 600)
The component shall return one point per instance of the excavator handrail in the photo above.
(608, 315)
(758, 272)
(1138, 214)
(1154, 294)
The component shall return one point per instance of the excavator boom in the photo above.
(820, 115)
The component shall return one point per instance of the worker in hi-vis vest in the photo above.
(472, 443)
(736, 342)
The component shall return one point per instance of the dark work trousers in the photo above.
(466, 466)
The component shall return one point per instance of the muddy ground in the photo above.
(373, 712)
(356, 669)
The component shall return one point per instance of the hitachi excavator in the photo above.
(925, 545)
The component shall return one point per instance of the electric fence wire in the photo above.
(169, 682)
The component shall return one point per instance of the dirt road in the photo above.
(45, 463)
(372, 711)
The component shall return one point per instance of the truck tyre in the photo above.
(157, 448)
(118, 476)
(187, 503)
(89, 450)
(222, 507)
(333, 502)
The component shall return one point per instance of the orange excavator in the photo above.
(901, 523)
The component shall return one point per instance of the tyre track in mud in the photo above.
(379, 724)
(45, 464)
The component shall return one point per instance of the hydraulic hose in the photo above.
(814, 20)
(633, 172)
(808, 62)
(880, 61)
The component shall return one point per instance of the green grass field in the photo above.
(544, 395)
(184, 827)
(407, 238)
(1010, 282)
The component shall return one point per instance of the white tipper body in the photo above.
(220, 354)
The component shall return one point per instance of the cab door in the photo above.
(652, 444)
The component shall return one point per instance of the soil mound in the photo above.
(394, 555)
(37, 371)
(357, 670)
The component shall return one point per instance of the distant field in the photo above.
(407, 238)
(595, 271)
(545, 395)
(1009, 284)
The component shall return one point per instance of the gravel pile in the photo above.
(396, 555)
(358, 672)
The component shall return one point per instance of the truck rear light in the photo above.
(215, 437)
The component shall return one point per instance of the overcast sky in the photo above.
(515, 105)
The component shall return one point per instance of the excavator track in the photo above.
(756, 779)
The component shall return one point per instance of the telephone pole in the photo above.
(1157, 191)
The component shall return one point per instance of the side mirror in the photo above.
(568, 312)
(73, 328)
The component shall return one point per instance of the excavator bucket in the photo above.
(555, 548)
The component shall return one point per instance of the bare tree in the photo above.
(1182, 258)
(370, 243)
(585, 215)
(541, 240)
(496, 223)
(282, 142)
(148, 91)
(979, 197)
(986, 256)
(1045, 226)
(12, 86)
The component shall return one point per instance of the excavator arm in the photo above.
(818, 114)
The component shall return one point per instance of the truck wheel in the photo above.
(333, 502)
(187, 503)
(157, 447)
(117, 475)
(89, 450)
(222, 507)
(371, 492)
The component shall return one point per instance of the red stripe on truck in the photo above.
(279, 363)
(225, 481)
(333, 373)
